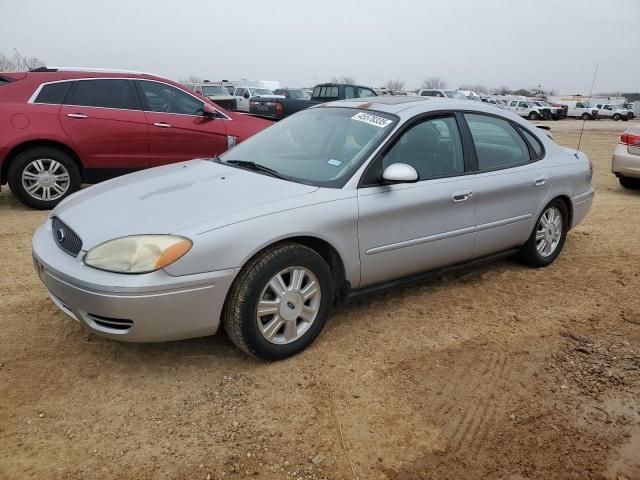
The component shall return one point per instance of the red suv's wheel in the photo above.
(41, 177)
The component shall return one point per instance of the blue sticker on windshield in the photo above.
(335, 163)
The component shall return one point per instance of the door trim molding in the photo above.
(451, 234)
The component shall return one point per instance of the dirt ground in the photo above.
(503, 372)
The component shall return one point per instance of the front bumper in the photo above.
(151, 307)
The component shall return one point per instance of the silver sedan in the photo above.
(337, 200)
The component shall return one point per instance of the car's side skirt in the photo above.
(359, 292)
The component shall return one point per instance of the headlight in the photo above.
(138, 253)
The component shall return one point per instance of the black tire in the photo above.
(533, 116)
(529, 253)
(616, 116)
(625, 119)
(585, 116)
(632, 183)
(24, 159)
(239, 316)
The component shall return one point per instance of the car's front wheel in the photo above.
(548, 236)
(40, 177)
(534, 116)
(280, 302)
(616, 116)
(586, 116)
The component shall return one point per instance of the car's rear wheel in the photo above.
(633, 183)
(616, 116)
(41, 177)
(280, 302)
(548, 236)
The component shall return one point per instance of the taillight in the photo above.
(629, 139)
(279, 109)
(590, 165)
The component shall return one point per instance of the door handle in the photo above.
(76, 115)
(162, 125)
(540, 181)
(459, 197)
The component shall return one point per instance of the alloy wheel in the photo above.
(288, 305)
(549, 232)
(45, 179)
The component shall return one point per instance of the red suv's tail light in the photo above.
(279, 109)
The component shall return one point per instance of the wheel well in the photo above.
(330, 255)
(15, 151)
(567, 202)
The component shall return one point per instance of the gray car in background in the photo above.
(336, 200)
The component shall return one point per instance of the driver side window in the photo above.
(160, 97)
(432, 147)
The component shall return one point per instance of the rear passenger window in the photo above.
(498, 144)
(534, 142)
(108, 93)
(349, 92)
(433, 148)
(53, 93)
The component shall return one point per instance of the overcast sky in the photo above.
(523, 43)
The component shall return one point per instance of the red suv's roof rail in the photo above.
(89, 70)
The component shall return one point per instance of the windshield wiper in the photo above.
(256, 167)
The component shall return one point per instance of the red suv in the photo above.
(64, 128)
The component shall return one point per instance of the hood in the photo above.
(170, 198)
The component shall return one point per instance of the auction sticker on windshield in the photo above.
(375, 120)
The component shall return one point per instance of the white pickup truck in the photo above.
(610, 111)
(525, 109)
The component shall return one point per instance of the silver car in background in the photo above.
(340, 199)
(625, 163)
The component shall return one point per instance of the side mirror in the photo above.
(400, 173)
(246, 95)
(209, 112)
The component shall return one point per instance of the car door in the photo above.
(512, 183)
(106, 125)
(407, 228)
(242, 97)
(178, 129)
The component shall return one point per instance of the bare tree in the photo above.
(17, 63)
(190, 79)
(501, 90)
(434, 82)
(394, 86)
(343, 79)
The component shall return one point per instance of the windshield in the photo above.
(214, 90)
(300, 94)
(456, 95)
(319, 146)
(261, 91)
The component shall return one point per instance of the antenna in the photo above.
(584, 120)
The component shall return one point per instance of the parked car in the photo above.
(580, 109)
(244, 95)
(609, 111)
(325, 92)
(625, 163)
(61, 128)
(549, 111)
(432, 92)
(525, 109)
(335, 201)
(495, 102)
(217, 93)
